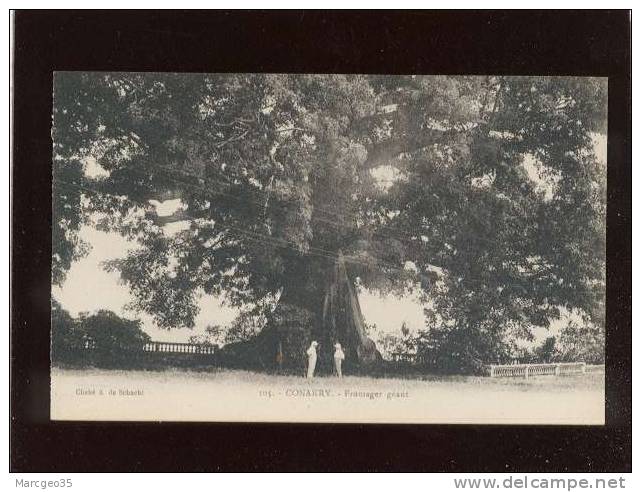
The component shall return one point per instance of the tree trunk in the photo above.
(323, 307)
(342, 320)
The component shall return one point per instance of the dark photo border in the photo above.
(595, 43)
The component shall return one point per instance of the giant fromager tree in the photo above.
(296, 191)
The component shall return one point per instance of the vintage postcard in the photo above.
(328, 248)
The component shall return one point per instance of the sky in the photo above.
(88, 287)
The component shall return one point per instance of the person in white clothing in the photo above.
(339, 356)
(311, 359)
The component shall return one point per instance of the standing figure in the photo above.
(339, 356)
(311, 359)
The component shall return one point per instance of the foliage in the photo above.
(461, 350)
(388, 343)
(245, 326)
(582, 342)
(497, 198)
(111, 333)
(547, 352)
(67, 246)
(65, 333)
(214, 335)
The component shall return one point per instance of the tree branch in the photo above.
(387, 151)
(177, 216)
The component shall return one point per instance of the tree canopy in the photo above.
(111, 333)
(482, 192)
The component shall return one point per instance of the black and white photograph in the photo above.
(328, 248)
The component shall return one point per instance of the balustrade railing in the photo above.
(179, 348)
(166, 347)
(527, 370)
